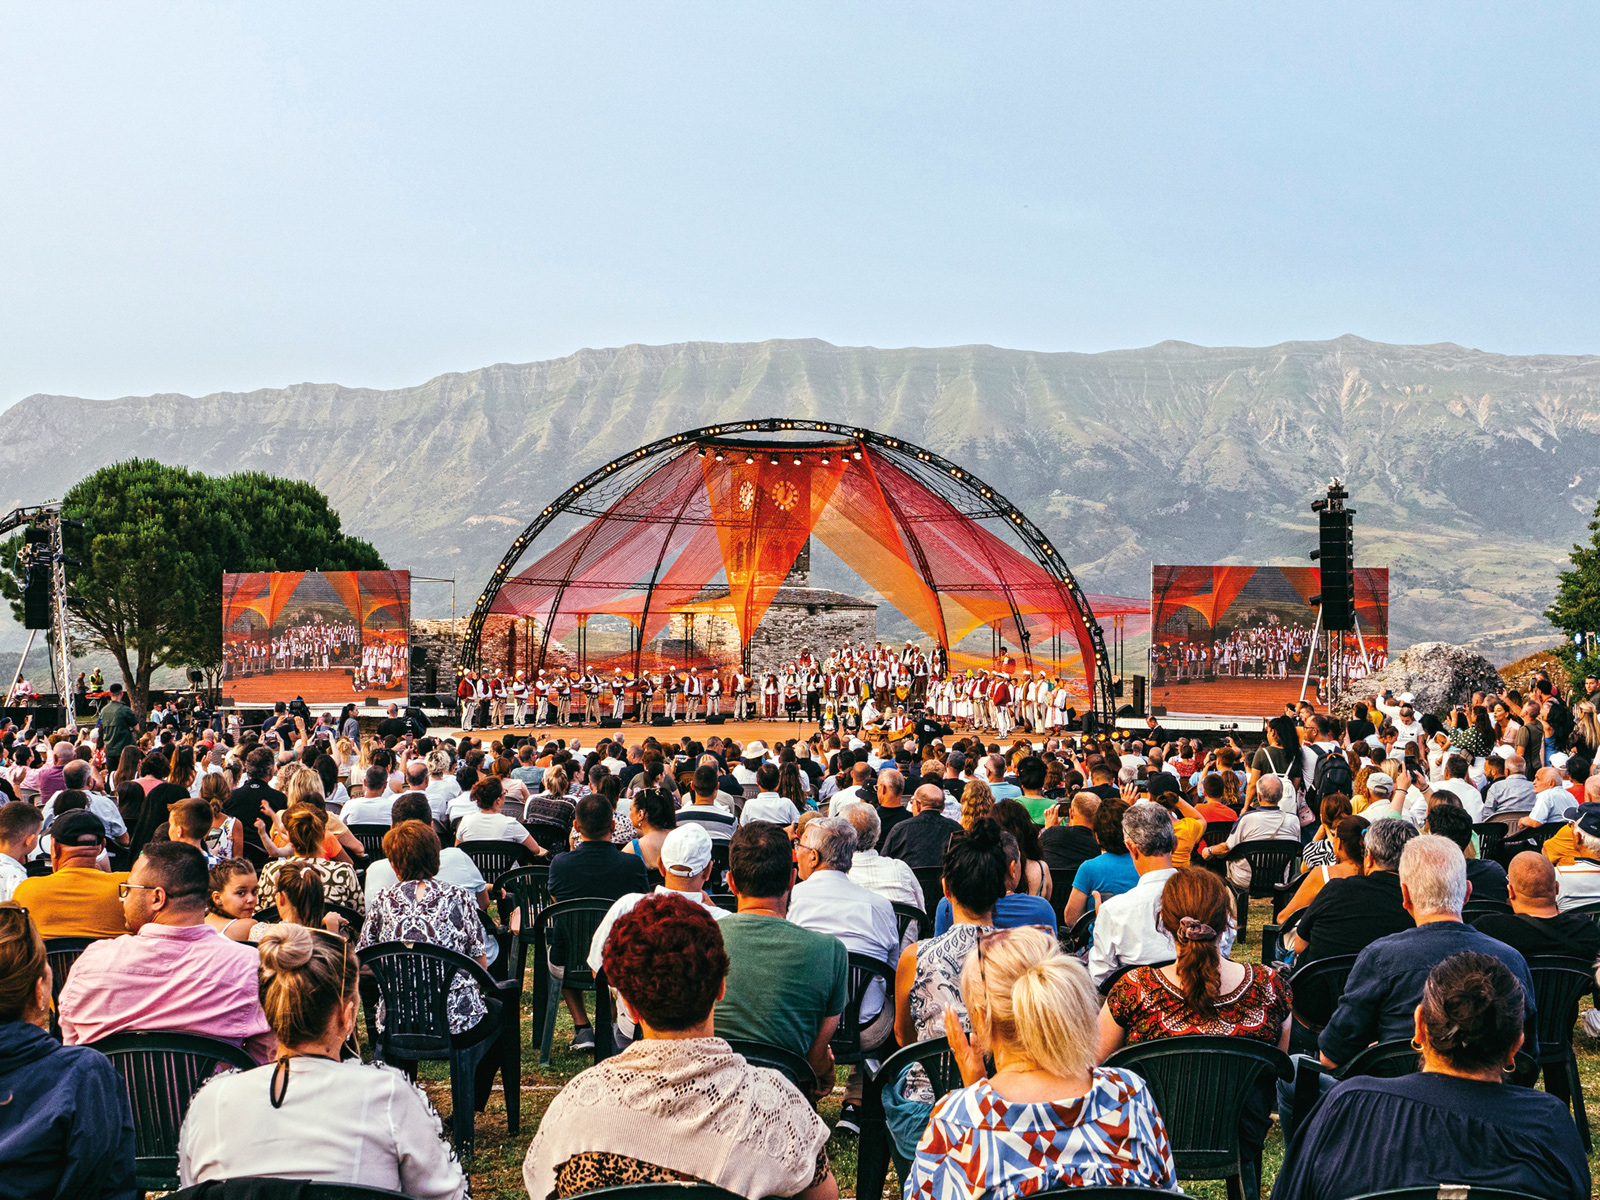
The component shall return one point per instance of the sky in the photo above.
(204, 197)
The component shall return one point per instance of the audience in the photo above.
(307, 828)
(20, 824)
(1127, 929)
(65, 1127)
(173, 972)
(1486, 877)
(1536, 925)
(77, 898)
(706, 809)
(767, 805)
(1111, 872)
(652, 816)
(1579, 880)
(678, 1103)
(314, 1113)
(1454, 1121)
(1263, 821)
(1031, 1009)
(786, 985)
(455, 866)
(889, 877)
(1203, 992)
(1066, 847)
(1014, 908)
(1349, 914)
(1346, 845)
(489, 824)
(920, 839)
(231, 901)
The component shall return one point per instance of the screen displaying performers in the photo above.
(1236, 641)
(325, 636)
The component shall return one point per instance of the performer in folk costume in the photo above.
(919, 676)
(591, 697)
(742, 684)
(1058, 705)
(497, 701)
(902, 684)
(830, 719)
(1000, 702)
(814, 688)
(542, 702)
(769, 696)
(619, 693)
(693, 689)
(480, 699)
(465, 692)
(880, 682)
(647, 697)
(519, 699)
(791, 699)
(553, 693)
(851, 721)
(714, 695)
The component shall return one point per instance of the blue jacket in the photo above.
(65, 1127)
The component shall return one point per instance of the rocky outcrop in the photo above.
(1437, 674)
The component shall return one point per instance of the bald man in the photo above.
(1535, 925)
(920, 840)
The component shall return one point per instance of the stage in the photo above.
(633, 733)
(1260, 697)
(319, 688)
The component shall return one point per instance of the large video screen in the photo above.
(325, 636)
(1235, 641)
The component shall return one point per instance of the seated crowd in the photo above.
(1046, 907)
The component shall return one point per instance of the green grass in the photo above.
(496, 1170)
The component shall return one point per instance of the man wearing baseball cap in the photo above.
(685, 867)
(1579, 881)
(77, 899)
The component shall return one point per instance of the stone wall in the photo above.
(438, 645)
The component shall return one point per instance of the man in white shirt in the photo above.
(827, 900)
(442, 786)
(768, 805)
(375, 804)
(685, 867)
(78, 776)
(1455, 782)
(1579, 882)
(889, 877)
(1551, 801)
(19, 834)
(1513, 794)
(716, 819)
(859, 774)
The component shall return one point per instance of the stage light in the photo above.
(1318, 505)
(825, 460)
(719, 455)
(857, 454)
(702, 451)
(773, 460)
(797, 460)
(749, 458)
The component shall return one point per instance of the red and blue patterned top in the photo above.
(979, 1144)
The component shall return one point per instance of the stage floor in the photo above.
(634, 733)
(316, 687)
(1259, 697)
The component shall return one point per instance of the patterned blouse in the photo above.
(936, 987)
(446, 916)
(339, 882)
(1149, 1005)
(979, 1144)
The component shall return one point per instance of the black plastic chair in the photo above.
(1129, 1191)
(1490, 836)
(1270, 864)
(162, 1072)
(932, 881)
(1273, 934)
(787, 1063)
(875, 1148)
(1076, 940)
(1216, 833)
(1482, 908)
(1590, 910)
(726, 901)
(524, 891)
(1384, 1060)
(61, 953)
(576, 921)
(846, 1041)
(262, 1187)
(1446, 1191)
(907, 915)
(666, 1190)
(718, 879)
(553, 837)
(1284, 892)
(1317, 986)
(371, 839)
(414, 980)
(1111, 979)
(1200, 1085)
(1559, 982)
(494, 859)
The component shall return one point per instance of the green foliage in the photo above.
(1576, 608)
(155, 543)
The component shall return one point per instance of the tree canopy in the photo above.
(1576, 608)
(154, 545)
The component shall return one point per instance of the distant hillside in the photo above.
(1472, 473)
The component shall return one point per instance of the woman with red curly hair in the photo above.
(678, 1103)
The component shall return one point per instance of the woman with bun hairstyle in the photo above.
(678, 1104)
(65, 1128)
(1202, 993)
(1047, 1117)
(1455, 1121)
(315, 1113)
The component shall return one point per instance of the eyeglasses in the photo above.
(124, 888)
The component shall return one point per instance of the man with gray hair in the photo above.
(889, 877)
(1263, 822)
(827, 900)
(1127, 931)
(1385, 986)
(1513, 794)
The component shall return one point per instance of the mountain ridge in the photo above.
(1470, 470)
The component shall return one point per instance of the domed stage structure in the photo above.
(709, 523)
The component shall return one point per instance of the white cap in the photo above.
(753, 750)
(1407, 698)
(857, 744)
(1559, 761)
(686, 851)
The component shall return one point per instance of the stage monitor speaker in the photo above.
(1138, 695)
(716, 719)
(610, 722)
(660, 722)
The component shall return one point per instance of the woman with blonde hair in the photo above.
(1032, 1008)
(977, 802)
(317, 1112)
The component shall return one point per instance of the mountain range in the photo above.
(1471, 473)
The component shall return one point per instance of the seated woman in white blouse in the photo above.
(309, 1115)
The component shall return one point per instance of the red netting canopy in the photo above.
(712, 523)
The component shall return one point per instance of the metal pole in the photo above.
(17, 678)
(1311, 655)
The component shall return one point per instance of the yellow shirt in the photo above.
(1189, 831)
(74, 902)
(1562, 848)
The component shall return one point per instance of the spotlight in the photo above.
(773, 460)
(797, 460)
(857, 454)
(719, 455)
(702, 451)
(749, 458)
(825, 460)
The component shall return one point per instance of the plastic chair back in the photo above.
(1385, 1060)
(932, 881)
(726, 901)
(62, 953)
(494, 859)
(267, 1188)
(162, 1072)
(527, 889)
(371, 839)
(1479, 908)
(1216, 833)
(414, 980)
(1491, 834)
(554, 838)
(718, 879)
(905, 916)
(1559, 983)
(1200, 1085)
(864, 970)
(1129, 1191)
(1270, 861)
(875, 1147)
(576, 922)
(1446, 1191)
(787, 1063)
(1316, 987)
(1077, 939)
(1111, 979)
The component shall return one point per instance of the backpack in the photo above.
(1331, 774)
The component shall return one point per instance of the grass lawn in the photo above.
(496, 1171)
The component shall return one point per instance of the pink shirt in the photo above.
(174, 978)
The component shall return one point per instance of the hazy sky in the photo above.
(203, 197)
